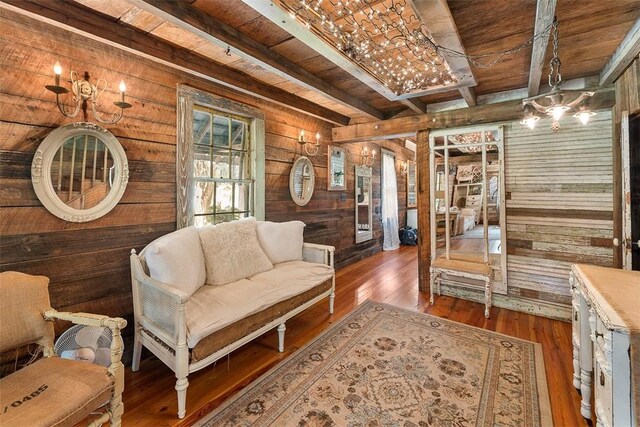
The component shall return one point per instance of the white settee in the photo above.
(258, 275)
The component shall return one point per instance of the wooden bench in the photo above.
(466, 269)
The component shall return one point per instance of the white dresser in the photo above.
(605, 302)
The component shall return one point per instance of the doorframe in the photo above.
(627, 258)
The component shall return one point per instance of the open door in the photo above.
(631, 191)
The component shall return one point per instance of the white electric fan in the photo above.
(86, 343)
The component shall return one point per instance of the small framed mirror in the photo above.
(79, 172)
(411, 184)
(302, 181)
(364, 204)
(337, 160)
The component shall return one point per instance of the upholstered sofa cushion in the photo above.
(53, 392)
(176, 259)
(232, 251)
(281, 241)
(214, 307)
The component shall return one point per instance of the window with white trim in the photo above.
(220, 159)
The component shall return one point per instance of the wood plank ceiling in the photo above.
(590, 32)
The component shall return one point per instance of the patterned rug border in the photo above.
(541, 377)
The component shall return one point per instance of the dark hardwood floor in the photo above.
(389, 277)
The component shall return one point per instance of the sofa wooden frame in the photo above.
(164, 332)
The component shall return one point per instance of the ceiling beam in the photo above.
(438, 19)
(188, 17)
(81, 20)
(403, 127)
(545, 11)
(415, 104)
(469, 96)
(623, 56)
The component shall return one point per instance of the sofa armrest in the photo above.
(157, 306)
(320, 254)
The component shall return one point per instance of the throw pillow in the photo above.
(232, 251)
(281, 241)
(176, 259)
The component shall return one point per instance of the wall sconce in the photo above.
(315, 148)
(367, 159)
(403, 167)
(85, 92)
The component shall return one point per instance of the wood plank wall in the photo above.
(559, 191)
(88, 263)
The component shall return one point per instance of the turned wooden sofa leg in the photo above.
(281, 329)
(332, 298)
(137, 352)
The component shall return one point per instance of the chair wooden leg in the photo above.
(182, 372)
(438, 281)
(487, 297)
(281, 329)
(116, 408)
(431, 284)
(181, 388)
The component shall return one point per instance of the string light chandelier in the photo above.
(389, 41)
(386, 38)
(554, 103)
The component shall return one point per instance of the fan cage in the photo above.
(67, 340)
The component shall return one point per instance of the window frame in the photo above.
(188, 98)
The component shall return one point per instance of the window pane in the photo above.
(201, 127)
(201, 161)
(221, 131)
(242, 199)
(220, 163)
(224, 197)
(238, 165)
(237, 135)
(203, 197)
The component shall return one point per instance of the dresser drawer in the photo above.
(603, 338)
(603, 391)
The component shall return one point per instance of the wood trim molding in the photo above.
(403, 127)
(203, 25)
(81, 20)
(545, 12)
(628, 50)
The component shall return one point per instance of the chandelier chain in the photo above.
(555, 78)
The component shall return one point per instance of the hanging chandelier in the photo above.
(556, 102)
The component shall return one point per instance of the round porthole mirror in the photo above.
(80, 172)
(302, 181)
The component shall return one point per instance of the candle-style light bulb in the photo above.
(123, 89)
(317, 138)
(57, 70)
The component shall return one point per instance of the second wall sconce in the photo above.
(367, 158)
(85, 92)
(309, 148)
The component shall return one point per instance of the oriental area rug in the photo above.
(386, 366)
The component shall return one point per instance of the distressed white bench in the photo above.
(466, 269)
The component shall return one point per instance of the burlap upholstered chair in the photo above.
(53, 391)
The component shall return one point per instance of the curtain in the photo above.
(390, 227)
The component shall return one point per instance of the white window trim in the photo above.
(187, 98)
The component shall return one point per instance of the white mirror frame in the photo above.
(300, 162)
(364, 235)
(343, 155)
(500, 286)
(41, 172)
